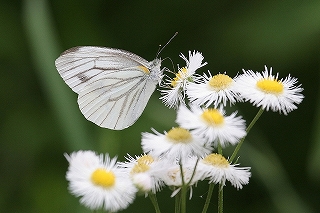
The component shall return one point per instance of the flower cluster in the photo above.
(193, 150)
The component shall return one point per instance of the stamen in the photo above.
(216, 160)
(146, 159)
(103, 178)
(270, 86)
(140, 167)
(179, 135)
(212, 117)
(142, 164)
(179, 76)
(220, 82)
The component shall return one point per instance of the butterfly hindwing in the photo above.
(115, 105)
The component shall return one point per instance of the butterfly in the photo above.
(113, 85)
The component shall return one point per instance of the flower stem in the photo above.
(183, 191)
(177, 203)
(154, 201)
(194, 172)
(183, 197)
(220, 199)
(219, 149)
(206, 204)
(254, 120)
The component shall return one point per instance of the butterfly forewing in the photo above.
(114, 85)
(79, 64)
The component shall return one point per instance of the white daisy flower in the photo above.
(218, 170)
(178, 143)
(141, 169)
(266, 91)
(99, 182)
(212, 124)
(175, 93)
(217, 89)
(170, 173)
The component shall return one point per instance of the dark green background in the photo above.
(40, 119)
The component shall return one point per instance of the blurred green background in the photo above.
(40, 119)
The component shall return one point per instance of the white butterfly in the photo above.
(113, 85)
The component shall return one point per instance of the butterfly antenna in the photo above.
(174, 70)
(161, 48)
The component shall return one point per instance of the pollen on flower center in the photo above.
(146, 159)
(103, 178)
(216, 160)
(140, 167)
(220, 82)
(270, 86)
(212, 117)
(180, 75)
(179, 135)
(142, 164)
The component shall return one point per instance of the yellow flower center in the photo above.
(139, 168)
(212, 117)
(270, 86)
(220, 82)
(142, 164)
(179, 135)
(103, 178)
(216, 160)
(180, 75)
(146, 159)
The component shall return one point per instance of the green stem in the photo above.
(220, 199)
(177, 203)
(207, 203)
(181, 173)
(183, 198)
(219, 149)
(183, 190)
(193, 173)
(236, 150)
(154, 201)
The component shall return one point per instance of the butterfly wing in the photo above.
(114, 85)
(79, 64)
